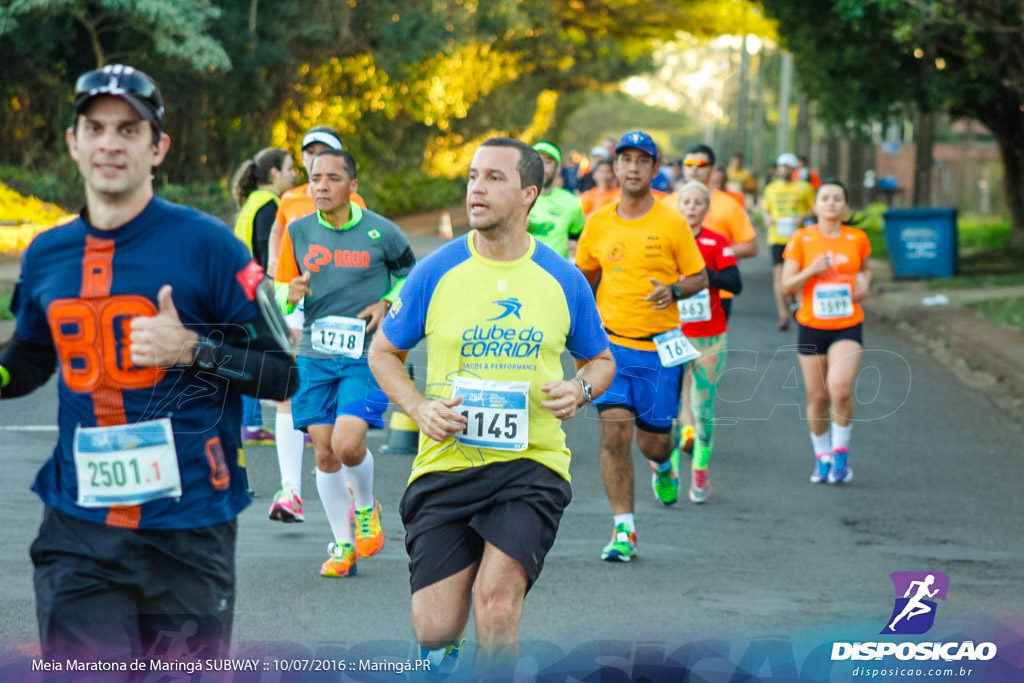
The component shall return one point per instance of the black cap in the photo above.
(126, 82)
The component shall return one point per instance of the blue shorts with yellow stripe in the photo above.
(645, 388)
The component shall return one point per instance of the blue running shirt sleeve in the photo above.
(587, 337)
(406, 322)
(32, 325)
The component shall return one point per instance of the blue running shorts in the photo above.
(331, 387)
(645, 388)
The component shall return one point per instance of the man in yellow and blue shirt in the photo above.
(496, 308)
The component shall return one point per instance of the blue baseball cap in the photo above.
(638, 140)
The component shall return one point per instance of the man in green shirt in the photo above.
(556, 218)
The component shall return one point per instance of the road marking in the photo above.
(29, 428)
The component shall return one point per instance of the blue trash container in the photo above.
(922, 242)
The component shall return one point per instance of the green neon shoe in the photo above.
(665, 484)
(622, 547)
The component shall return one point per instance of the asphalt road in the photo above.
(770, 558)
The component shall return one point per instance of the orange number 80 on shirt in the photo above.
(91, 337)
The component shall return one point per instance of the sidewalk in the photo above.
(978, 351)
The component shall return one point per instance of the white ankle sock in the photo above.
(626, 519)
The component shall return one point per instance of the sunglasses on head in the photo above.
(699, 163)
(114, 82)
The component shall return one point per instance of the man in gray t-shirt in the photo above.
(349, 264)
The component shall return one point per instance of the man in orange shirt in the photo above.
(726, 216)
(605, 191)
(647, 259)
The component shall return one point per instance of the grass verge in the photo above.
(1009, 311)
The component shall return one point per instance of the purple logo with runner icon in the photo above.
(916, 593)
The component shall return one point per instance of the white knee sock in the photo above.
(841, 436)
(334, 496)
(290, 444)
(821, 443)
(360, 478)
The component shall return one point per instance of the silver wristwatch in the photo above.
(587, 391)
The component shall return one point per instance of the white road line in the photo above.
(28, 428)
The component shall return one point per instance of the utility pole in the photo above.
(740, 141)
(757, 158)
(785, 92)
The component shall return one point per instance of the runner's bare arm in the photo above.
(794, 279)
(691, 284)
(862, 283)
(274, 247)
(436, 419)
(566, 397)
(746, 249)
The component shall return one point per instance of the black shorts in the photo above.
(812, 341)
(726, 306)
(120, 594)
(515, 506)
(777, 250)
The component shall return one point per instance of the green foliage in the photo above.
(58, 184)
(870, 219)
(176, 30)
(409, 190)
(871, 222)
(213, 198)
(601, 115)
(861, 58)
(980, 233)
(848, 60)
(398, 77)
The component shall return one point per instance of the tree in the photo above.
(174, 29)
(866, 59)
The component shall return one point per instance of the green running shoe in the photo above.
(665, 484)
(623, 545)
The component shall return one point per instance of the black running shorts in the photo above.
(777, 250)
(515, 506)
(812, 341)
(123, 594)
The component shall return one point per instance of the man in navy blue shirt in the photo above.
(158, 320)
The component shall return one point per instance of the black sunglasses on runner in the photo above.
(119, 80)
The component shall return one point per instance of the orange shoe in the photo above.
(342, 560)
(369, 536)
